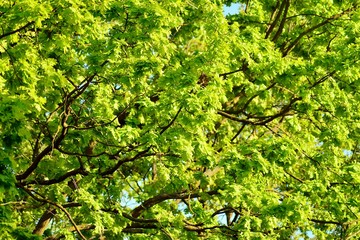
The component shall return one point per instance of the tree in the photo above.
(167, 120)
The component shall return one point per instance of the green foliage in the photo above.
(167, 120)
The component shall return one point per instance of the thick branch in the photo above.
(39, 157)
(59, 179)
(44, 221)
(54, 204)
(325, 221)
(162, 197)
(273, 24)
(282, 23)
(139, 220)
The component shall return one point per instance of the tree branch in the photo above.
(283, 111)
(308, 31)
(121, 162)
(243, 68)
(325, 221)
(172, 121)
(322, 79)
(44, 200)
(17, 30)
(39, 157)
(282, 23)
(162, 197)
(273, 24)
(59, 179)
(44, 221)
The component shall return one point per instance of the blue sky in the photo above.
(233, 9)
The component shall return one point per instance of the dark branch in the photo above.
(273, 24)
(39, 157)
(59, 179)
(282, 23)
(44, 200)
(172, 121)
(269, 118)
(162, 197)
(308, 31)
(17, 30)
(325, 222)
(121, 162)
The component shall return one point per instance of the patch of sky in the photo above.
(234, 8)
(297, 235)
(184, 209)
(127, 201)
(347, 153)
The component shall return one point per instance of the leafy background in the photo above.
(167, 120)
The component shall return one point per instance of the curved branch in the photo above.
(44, 200)
(308, 31)
(283, 111)
(162, 197)
(17, 30)
(172, 121)
(59, 179)
(121, 162)
(39, 157)
(234, 118)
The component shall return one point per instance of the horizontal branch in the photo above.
(243, 68)
(121, 162)
(234, 118)
(162, 197)
(283, 111)
(59, 179)
(325, 221)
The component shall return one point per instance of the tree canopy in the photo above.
(168, 120)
